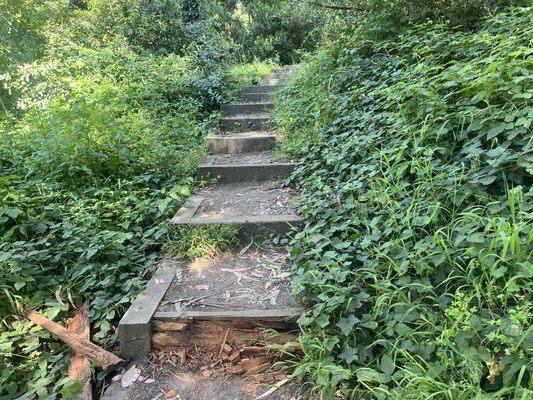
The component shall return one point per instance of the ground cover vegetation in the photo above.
(413, 122)
(416, 179)
(105, 105)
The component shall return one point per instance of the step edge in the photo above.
(254, 103)
(238, 166)
(230, 314)
(241, 137)
(187, 210)
(135, 326)
(246, 118)
(247, 219)
(236, 220)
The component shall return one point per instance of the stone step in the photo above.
(245, 122)
(241, 291)
(258, 209)
(213, 314)
(273, 81)
(260, 89)
(246, 142)
(277, 75)
(248, 167)
(245, 108)
(256, 97)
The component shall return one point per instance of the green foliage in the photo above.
(417, 190)
(465, 13)
(251, 73)
(22, 25)
(280, 30)
(106, 140)
(205, 241)
(163, 26)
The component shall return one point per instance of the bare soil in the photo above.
(253, 280)
(247, 159)
(173, 381)
(246, 199)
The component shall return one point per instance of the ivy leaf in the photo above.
(346, 325)
(305, 320)
(349, 355)
(12, 212)
(368, 375)
(387, 365)
(184, 191)
(330, 343)
(368, 322)
(322, 320)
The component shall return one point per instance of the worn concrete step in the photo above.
(214, 314)
(246, 108)
(258, 209)
(241, 292)
(245, 122)
(260, 89)
(273, 81)
(248, 167)
(245, 142)
(277, 75)
(256, 97)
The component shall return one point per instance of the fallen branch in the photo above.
(79, 367)
(76, 342)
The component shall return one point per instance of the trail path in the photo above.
(202, 328)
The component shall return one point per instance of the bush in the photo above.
(108, 136)
(280, 30)
(417, 188)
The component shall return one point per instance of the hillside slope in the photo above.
(416, 181)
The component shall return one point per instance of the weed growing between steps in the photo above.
(190, 242)
(416, 180)
(251, 74)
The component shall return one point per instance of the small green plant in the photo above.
(251, 73)
(201, 241)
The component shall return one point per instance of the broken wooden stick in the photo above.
(79, 366)
(74, 341)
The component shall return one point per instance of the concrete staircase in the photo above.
(219, 310)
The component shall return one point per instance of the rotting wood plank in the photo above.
(76, 342)
(209, 333)
(162, 326)
(79, 366)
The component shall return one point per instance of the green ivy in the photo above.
(416, 181)
(98, 155)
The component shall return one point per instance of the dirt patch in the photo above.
(246, 199)
(253, 280)
(168, 380)
(247, 159)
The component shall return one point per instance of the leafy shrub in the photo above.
(103, 152)
(280, 30)
(417, 188)
(22, 37)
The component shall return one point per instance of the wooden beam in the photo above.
(75, 341)
(79, 366)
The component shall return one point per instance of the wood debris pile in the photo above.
(251, 362)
